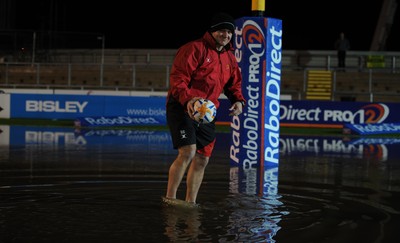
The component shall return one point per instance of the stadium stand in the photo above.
(369, 76)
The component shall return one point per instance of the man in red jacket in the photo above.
(203, 68)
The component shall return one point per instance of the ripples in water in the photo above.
(112, 193)
(130, 210)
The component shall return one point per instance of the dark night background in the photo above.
(307, 25)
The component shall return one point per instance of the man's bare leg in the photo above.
(195, 177)
(178, 168)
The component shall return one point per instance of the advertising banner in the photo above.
(108, 110)
(254, 146)
(48, 106)
(331, 113)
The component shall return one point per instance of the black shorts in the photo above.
(186, 131)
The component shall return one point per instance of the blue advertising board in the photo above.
(151, 110)
(98, 109)
(255, 133)
(325, 113)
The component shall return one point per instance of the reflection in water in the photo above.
(254, 219)
(256, 214)
(238, 218)
(368, 148)
(182, 224)
(63, 185)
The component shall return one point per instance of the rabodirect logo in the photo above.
(254, 36)
(246, 134)
(272, 94)
(375, 113)
(370, 113)
(116, 121)
(256, 132)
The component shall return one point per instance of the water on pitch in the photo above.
(109, 189)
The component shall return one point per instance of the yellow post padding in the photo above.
(257, 5)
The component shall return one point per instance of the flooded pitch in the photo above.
(62, 185)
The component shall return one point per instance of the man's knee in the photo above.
(187, 152)
(201, 159)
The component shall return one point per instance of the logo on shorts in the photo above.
(183, 134)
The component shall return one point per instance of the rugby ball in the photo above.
(204, 111)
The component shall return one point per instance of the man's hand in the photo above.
(236, 109)
(190, 106)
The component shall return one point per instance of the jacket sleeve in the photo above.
(185, 63)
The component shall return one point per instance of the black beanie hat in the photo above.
(222, 21)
